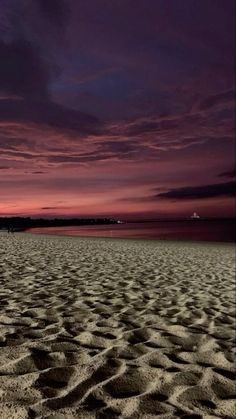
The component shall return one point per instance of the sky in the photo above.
(117, 108)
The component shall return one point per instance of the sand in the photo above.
(103, 328)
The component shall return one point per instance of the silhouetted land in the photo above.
(23, 223)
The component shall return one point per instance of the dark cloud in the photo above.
(26, 71)
(13, 143)
(25, 75)
(17, 154)
(22, 72)
(200, 192)
(122, 147)
(175, 125)
(56, 11)
(152, 126)
(217, 99)
(105, 150)
(38, 173)
(48, 208)
(229, 173)
(48, 113)
(82, 158)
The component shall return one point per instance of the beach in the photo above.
(114, 328)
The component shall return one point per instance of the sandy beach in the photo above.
(103, 328)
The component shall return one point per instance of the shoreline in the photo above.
(137, 239)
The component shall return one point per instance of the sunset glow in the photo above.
(131, 123)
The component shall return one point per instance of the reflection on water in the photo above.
(220, 231)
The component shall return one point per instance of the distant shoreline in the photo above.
(219, 231)
(25, 223)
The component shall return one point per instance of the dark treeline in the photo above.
(23, 223)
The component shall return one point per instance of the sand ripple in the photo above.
(96, 328)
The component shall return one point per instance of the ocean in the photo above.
(194, 230)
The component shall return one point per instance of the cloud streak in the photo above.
(200, 192)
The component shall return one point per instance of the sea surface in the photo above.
(216, 231)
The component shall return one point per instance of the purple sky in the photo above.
(121, 108)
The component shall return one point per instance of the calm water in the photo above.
(190, 230)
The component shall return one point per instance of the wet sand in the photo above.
(102, 328)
